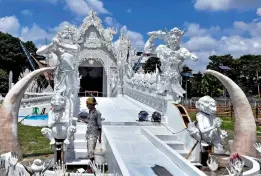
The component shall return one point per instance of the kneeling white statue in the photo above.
(59, 122)
(206, 129)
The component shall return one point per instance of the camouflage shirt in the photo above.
(94, 123)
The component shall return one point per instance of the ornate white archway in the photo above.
(96, 44)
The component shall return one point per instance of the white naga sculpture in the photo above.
(66, 75)
(206, 129)
(172, 57)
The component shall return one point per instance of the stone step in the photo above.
(175, 145)
(167, 137)
(79, 136)
(183, 153)
(78, 144)
(76, 154)
(197, 164)
(78, 162)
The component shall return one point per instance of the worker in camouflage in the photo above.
(94, 127)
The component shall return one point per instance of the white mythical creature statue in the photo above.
(235, 165)
(206, 129)
(66, 75)
(59, 122)
(108, 34)
(38, 168)
(172, 57)
(212, 164)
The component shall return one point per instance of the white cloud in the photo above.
(193, 29)
(10, 24)
(26, 12)
(201, 42)
(258, 11)
(109, 21)
(220, 5)
(253, 28)
(82, 7)
(234, 44)
(97, 6)
(60, 26)
(129, 10)
(136, 39)
(35, 33)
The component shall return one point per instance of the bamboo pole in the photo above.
(192, 149)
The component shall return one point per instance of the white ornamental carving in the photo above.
(106, 35)
(91, 61)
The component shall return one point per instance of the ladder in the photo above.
(184, 114)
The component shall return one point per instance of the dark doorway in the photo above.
(92, 80)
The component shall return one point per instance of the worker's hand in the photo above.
(100, 140)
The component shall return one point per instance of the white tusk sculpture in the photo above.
(9, 112)
(245, 126)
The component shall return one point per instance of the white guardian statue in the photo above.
(172, 57)
(66, 79)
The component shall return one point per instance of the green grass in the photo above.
(32, 142)
(227, 123)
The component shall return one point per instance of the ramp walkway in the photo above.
(133, 148)
(119, 109)
(138, 155)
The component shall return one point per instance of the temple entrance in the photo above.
(92, 81)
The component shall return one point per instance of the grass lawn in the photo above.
(32, 142)
(227, 123)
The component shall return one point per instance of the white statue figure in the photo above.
(129, 69)
(212, 164)
(59, 122)
(235, 165)
(66, 77)
(108, 34)
(172, 57)
(38, 168)
(12, 161)
(114, 80)
(123, 52)
(207, 127)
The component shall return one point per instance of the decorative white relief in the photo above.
(96, 42)
(156, 101)
(91, 61)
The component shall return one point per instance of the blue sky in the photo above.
(212, 26)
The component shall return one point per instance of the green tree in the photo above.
(196, 85)
(212, 86)
(151, 63)
(186, 81)
(249, 66)
(12, 58)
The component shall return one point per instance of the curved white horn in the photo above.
(245, 126)
(9, 112)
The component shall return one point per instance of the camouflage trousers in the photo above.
(91, 145)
